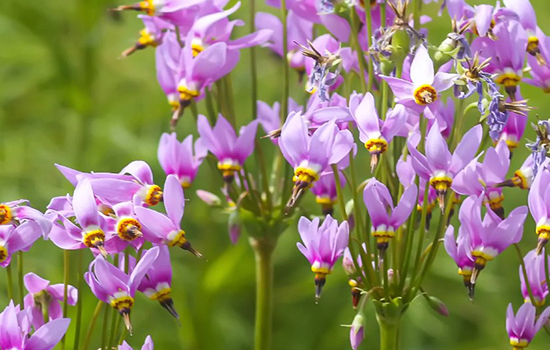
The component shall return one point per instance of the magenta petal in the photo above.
(294, 138)
(466, 149)
(422, 68)
(437, 151)
(337, 26)
(366, 118)
(404, 207)
(141, 268)
(483, 18)
(209, 61)
(156, 222)
(402, 89)
(47, 336)
(174, 200)
(24, 236)
(245, 142)
(443, 81)
(35, 283)
(84, 204)
(140, 170)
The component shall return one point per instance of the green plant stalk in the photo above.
(360, 224)
(229, 99)
(45, 313)
(253, 68)
(104, 330)
(66, 271)
(416, 14)
(20, 276)
(286, 71)
(263, 252)
(210, 107)
(408, 249)
(115, 321)
(9, 280)
(263, 173)
(359, 50)
(524, 272)
(546, 269)
(422, 229)
(79, 280)
(91, 327)
(339, 193)
(122, 336)
(389, 333)
(368, 18)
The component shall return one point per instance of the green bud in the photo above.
(437, 305)
(386, 66)
(401, 43)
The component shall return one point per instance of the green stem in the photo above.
(263, 251)
(359, 50)
(368, 17)
(389, 333)
(46, 313)
(9, 279)
(104, 330)
(546, 269)
(416, 14)
(253, 69)
(339, 193)
(91, 327)
(115, 321)
(20, 276)
(66, 270)
(263, 173)
(80, 302)
(286, 72)
(210, 107)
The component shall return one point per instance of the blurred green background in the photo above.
(66, 97)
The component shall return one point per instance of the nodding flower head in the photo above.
(150, 36)
(459, 250)
(309, 154)
(325, 191)
(536, 278)
(322, 246)
(385, 217)
(230, 150)
(160, 8)
(17, 238)
(539, 205)
(523, 326)
(116, 287)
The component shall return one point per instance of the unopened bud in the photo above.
(234, 226)
(357, 331)
(209, 198)
(437, 305)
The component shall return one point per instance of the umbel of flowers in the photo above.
(405, 144)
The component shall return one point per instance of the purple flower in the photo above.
(424, 87)
(151, 35)
(18, 211)
(147, 345)
(160, 8)
(162, 229)
(492, 235)
(522, 327)
(459, 251)
(536, 276)
(311, 155)
(373, 132)
(539, 205)
(124, 228)
(438, 166)
(156, 284)
(323, 246)
(325, 191)
(223, 142)
(178, 158)
(44, 297)
(385, 217)
(513, 130)
(15, 329)
(116, 288)
(17, 238)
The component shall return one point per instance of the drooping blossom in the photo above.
(166, 229)
(115, 287)
(385, 217)
(482, 179)
(17, 238)
(91, 228)
(19, 211)
(147, 345)
(15, 330)
(270, 117)
(357, 330)
(150, 36)
(177, 158)
(439, 166)
(424, 87)
(523, 177)
(492, 235)
(156, 284)
(459, 250)
(536, 277)
(539, 206)
(373, 132)
(162, 8)
(325, 191)
(524, 325)
(513, 131)
(44, 299)
(540, 74)
(528, 19)
(311, 155)
(322, 246)
(230, 150)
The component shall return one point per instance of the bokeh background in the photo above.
(66, 97)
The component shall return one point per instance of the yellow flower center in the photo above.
(543, 232)
(533, 45)
(5, 214)
(187, 94)
(123, 303)
(441, 184)
(376, 146)
(228, 169)
(94, 239)
(154, 195)
(162, 295)
(305, 176)
(495, 202)
(425, 94)
(508, 80)
(148, 7)
(519, 344)
(3, 254)
(146, 39)
(129, 229)
(196, 48)
(179, 240)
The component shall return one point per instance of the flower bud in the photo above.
(357, 331)
(234, 226)
(209, 198)
(350, 214)
(437, 305)
(401, 43)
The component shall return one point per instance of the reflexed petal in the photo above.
(139, 170)
(174, 200)
(422, 68)
(466, 149)
(47, 336)
(437, 151)
(35, 283)
(84, 204)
